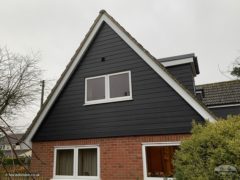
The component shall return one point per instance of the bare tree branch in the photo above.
(19, 87)
(19, 82)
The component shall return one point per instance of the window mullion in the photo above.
(107, 86)
(130, 83)
(75, 164)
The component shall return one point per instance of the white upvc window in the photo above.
(76, 162)
(157, 160)
(108, 88)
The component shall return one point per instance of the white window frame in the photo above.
(107, 90)
(155, 144)
(75, 163)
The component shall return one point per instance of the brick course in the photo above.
(120, 157)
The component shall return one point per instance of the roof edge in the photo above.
(172, 58)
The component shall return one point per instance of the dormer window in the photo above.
(108, 88)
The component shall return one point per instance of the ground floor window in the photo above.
(87, 162)
(76, 162)
(157, 159)
(64, 162)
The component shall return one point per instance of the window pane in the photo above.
(159, 161)
(119, 85)
(64, 162)
(96, 89)
(87, 162)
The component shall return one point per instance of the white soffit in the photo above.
(177, 62)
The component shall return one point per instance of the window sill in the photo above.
(159, 178)
(108, 101)
(73, 178)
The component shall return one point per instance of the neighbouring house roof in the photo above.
(19, 152)
(139, 49)
(221, 93)
(13, 138)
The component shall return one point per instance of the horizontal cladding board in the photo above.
(124, 129)
(144, 91)
(144, 75)
(121, 128)
(155, 109)
(104, 68)
(181, 67)
(137, 101)
(141, 91)
(109, 53)
(103, 134)
(105, 36)
(107, 42)
(109, 116)
(139, 85)
(223, 112)
(114, 58)
(183, 74)
(118, 106)
(106, 48)
(113, 55)
(116, 124)
(128, 112)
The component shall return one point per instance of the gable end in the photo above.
(149, 59)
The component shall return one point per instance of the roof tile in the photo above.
(221, 93)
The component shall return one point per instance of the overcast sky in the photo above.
(55, 28)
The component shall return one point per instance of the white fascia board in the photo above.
(221, 106)
(140, 52)
(177, 62)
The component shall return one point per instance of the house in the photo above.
(116, 112)
(222, 98)
(6, 147)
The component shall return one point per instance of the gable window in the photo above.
(157, 160)
(76, 163)
(96, 88)
(108, 88)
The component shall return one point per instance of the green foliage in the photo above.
(236, 71)
(210, 145)
(236, 68)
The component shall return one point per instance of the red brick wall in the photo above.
(120, 157)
